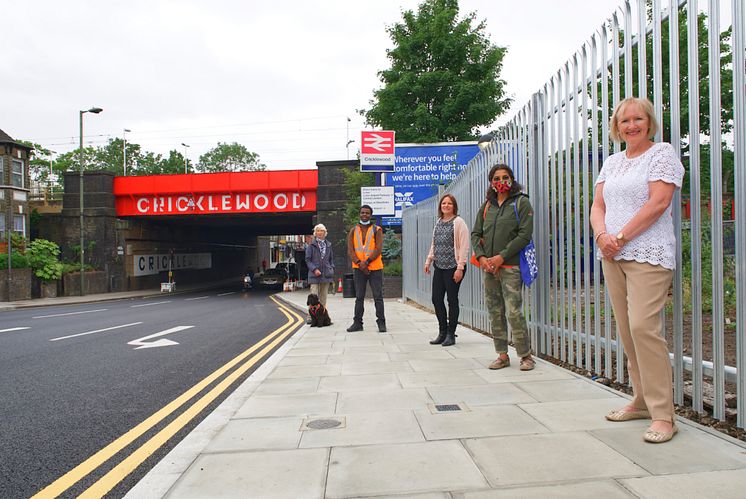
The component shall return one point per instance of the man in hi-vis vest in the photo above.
(364, 244)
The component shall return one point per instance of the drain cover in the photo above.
(447, 407)
(323, 424)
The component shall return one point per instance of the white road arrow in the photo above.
(143, 343)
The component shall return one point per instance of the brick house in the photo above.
(14, 186)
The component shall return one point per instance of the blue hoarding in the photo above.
(420, 168)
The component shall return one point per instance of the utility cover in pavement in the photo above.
(447, 407)
(323, 424)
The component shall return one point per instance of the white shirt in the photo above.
(626, 190)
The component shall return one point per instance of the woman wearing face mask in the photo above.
(449, 251)
(504, 226)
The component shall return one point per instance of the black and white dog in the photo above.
(317, 311)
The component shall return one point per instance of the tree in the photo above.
(232, 157)
(444, 80)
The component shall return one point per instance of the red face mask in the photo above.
(502, 186)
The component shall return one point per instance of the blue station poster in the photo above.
(420, 168)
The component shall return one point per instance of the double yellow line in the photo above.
(131, 462)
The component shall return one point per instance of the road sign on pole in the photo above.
(377, 151)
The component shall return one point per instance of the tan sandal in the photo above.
(625, 415)
(658, 437)
(527, 363)
(500, 363)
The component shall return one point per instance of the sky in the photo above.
(281, 79)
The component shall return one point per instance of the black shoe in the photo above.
(450, 340)
(355, 327)
(381, 327)
(441, 337)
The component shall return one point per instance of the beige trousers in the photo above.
(321, 289)
(638, 293)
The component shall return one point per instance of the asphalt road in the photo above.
(75, 380)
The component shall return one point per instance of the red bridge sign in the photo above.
(215, 193)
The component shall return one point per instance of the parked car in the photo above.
(272, 279)
(291, 269)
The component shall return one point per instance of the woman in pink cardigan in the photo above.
(448, 254)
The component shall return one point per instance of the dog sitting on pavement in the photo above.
(317, 311)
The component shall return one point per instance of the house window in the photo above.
(19, 224)
(2, 226)
(17, 174)
(2, 170)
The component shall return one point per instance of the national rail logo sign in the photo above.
(377, 151)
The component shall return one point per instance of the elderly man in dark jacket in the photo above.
(320, 262)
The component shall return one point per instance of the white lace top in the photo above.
(626, 191)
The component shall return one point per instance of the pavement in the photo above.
(340, 415)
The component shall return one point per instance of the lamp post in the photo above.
(124, 150)
(94, 110)
(186, 170)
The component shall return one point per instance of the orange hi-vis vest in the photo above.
(364, 249)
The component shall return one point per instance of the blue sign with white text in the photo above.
(420, 168)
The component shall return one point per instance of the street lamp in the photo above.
(124, 150)
(185, 157)
(485, 140)
(94, 110)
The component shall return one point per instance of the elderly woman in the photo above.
(449, 250)
(320, 262)
(504, 226)
(634, 233)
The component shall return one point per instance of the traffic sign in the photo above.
(377, 151)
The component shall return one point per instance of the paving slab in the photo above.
(257, 434)
(359, 382)
(603, 489)
(255, 474)
(421, 354)
(513, 374)
(730, 484)
(376, 400)
(439, 378)
(284, 386)
(305, 371)
(302, 404)
(579, 415)
(367, 429)
(397, 469)
(305, 360)
(485, 421)
(476, 395)
(571, 389)
(444, 365)
(553, 457)
(376, 367)
(691, 450)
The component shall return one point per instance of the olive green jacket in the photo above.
(498, 232)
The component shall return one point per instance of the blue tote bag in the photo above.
(527, 255)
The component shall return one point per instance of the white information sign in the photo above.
(381, 199)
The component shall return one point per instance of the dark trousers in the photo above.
(443, 284)
(375, 278)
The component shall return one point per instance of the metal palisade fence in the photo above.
(556, 144)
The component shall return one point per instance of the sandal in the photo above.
(527, 363)
(627, 415)
(658, 437)
(500, 362)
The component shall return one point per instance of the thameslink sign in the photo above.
(217, 193)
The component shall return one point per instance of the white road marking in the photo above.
(197, 298)
(96, 331)
(163, 342)
(150, 304)
(226, 294)
(13, 329)
(70, 313)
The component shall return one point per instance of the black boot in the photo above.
(450, 338)
(440, 338)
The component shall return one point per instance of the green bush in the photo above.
(18, 261)
(43, 257)
(393, 268)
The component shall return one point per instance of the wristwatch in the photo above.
(620, 239)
